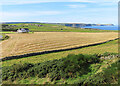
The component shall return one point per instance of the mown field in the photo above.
(19, 44)
(111, 47)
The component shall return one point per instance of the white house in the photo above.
(23, 30)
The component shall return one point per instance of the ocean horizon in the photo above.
(103, 27)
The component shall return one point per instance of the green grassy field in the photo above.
(9, 32)
(6, 32)
(53, 28)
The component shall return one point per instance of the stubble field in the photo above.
(19, 44)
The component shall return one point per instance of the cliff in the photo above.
(83, 25)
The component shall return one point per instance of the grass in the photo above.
(29, 80)
(46, 41)
(70, 30)
(7, 32)
(4, 37)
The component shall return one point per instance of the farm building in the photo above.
(23, 30)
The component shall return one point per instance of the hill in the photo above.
(80, 25)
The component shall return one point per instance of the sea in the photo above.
(103, 27)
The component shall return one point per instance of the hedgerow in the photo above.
(69, 67)
(107, 76)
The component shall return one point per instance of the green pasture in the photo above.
(52, 28)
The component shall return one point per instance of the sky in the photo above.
(60, 11)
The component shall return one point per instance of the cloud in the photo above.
(19, 2)
(89, 11)
(76, 6)
(28, 14)
(88, 1)
(97, 1)
(49, 12)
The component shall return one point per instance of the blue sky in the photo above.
(60, 11)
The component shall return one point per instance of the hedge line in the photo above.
(69, 67)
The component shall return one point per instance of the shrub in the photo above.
(107, 76)
(71, 66)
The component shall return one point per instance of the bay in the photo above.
(103, 27)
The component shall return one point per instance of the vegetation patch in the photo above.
(4, 37)
(109, 75)
(74, 69)
(69, 67)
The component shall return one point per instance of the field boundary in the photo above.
(51, 51)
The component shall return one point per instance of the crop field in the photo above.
(19, 44)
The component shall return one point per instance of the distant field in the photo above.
(6, 32)
(9, 32)
(19, 44)
(50, 28)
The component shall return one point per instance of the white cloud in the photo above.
(27, 16)
(108, 1)
(17, 2)
(76, 6)
(96, 1)
(48, 12)
(19, 15)
(89, 1)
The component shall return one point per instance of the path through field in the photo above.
(19, 44)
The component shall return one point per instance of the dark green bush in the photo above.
(7, 29)
(14, 70)
(69, 67)
(108, 76)
(4, 37)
